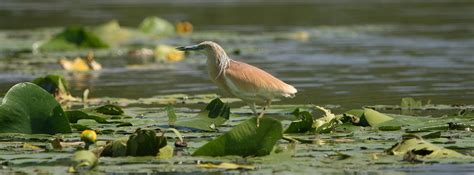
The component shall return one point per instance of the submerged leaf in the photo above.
(28, 108)
(245, 139)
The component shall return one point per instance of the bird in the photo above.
(252, 85)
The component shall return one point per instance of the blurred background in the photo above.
(340, 52)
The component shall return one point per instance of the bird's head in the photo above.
(207, 46)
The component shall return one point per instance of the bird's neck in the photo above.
(217, 62)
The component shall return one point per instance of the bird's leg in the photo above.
(263, 112)
(253, 108)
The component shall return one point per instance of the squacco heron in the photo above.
(249, 83)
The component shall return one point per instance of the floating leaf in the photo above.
(165, 152)
(28, 146)
(374, 118)
(28, 108)
(156, 26)
(83, 160)
(109, 110)
(76, 115)
(422, 148)
(303, 124)
(54, 84)
(73, 38)
(112, 33)
(216, 113)
(326, 123)
(245, 139)
(99, 114)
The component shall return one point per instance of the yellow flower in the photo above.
(88, 136)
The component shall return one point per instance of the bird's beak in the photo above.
(188, 48)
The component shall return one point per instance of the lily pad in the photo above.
(374, 118)
(245, 139)
(303, 124)
(83, 160)
(112, 33)
(216, 113)
(74, 38)
(109, 110)
(54, 84)
(100, 114)
(28, 108)
(156, 26)
(145, 143)
(416, 145)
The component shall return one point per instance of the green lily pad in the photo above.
(416, 145)
(76, 115)
(145, 143)
(54, 84)
(73, 38)
(109, 110)
(83, 160)
(216, 113)
(245, 139)
(303, 124)
(374, 118)
(27, 108)
(112, 33)
(156, 26)
(116, 148)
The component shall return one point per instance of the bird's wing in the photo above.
(249, 79)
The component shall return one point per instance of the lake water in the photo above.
(358, 53)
